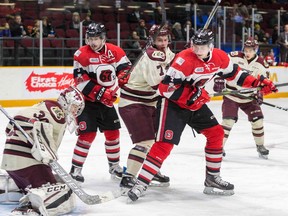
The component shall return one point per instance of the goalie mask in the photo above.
(95, 36)
(202, 43)
(72, 102)
(250, 48)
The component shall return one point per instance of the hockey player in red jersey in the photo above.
(96, 68)
(27, 163)
(184, 102)
(250, 61)
(138, 100)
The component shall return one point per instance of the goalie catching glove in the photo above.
(42, 149)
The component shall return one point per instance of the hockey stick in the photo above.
(71, 183)
(263, 102)
(212, 13)
(243, 91)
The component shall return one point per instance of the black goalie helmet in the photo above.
(96, 30)
(203, 37)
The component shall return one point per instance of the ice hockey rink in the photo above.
(261, 186)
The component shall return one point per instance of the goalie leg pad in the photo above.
(9, 191)
(52, 200)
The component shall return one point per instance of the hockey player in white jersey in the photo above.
(138, 103)
(27, 163)
(256, 66)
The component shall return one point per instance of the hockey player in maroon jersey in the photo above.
(138, 100)
(184, 102)
(256, 66)
(27, 163)
(96, 68)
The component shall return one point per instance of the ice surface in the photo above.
(261, 186)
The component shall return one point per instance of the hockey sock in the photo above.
(82, 147)
(158, 153)
(112, 146)
(258, 131)
(213, 149)
(137, 156)
(227, 125)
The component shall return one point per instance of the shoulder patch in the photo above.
(234, 53)
(155, 54)
(56, 112)
(77, 53)
(180, 61)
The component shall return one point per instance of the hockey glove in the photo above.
(106, 96)
(123, 78)
(197, 98)
(258, 98)
(219, 84)
(266, 84)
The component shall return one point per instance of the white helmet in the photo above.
(72, 102)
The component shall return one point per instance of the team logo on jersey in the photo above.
(158, 55)
(94, 60)
(180, 60)
(168, 135)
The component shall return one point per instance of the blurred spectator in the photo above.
(260, 33)
(134, 17)
(283, 42)
(133, 43)
(142, 30)
(48, 29)
(188, 25)
(270, 58)
(201, 18)
(17, 28)
(238, 19)
(75, 23)
(177, 32)
(87, 21)
(5, 30)
(274, 34)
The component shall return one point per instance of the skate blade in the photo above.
(159, 184)
(124, 191)
(115, 177)
(216, 191)
(263, 156)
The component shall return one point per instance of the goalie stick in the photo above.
(71, 183)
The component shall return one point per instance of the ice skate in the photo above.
(262, 151)
(127, 182)
(214, 185)
(25, 209)
(116, 171)
(160, 180)
(136, 192)
(75, 173)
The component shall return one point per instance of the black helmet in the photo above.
(202, 37)
(96, 30)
